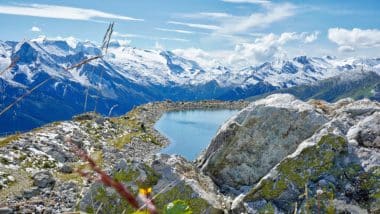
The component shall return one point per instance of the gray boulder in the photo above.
(5, 210)
(260, 136)
(29, 193)
(43, 179)
(368, 132)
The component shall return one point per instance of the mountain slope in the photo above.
(357, 86)
(129, 76)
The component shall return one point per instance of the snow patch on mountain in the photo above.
(165, 68)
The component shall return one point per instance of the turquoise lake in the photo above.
(190, 131)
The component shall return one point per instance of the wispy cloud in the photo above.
(35, 29)
(139, 36)
(174, 39)
(61, 12)
(273, 13)
(226, 23)
(196, 25)
(248, 1)
(175, 30)
(202, 15)
(128, 35)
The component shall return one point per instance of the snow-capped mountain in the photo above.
(128, 76)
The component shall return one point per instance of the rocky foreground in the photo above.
(38, 168)
(282, 155)
(278, 155)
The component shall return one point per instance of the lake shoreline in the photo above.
(110, 141)
(148, 114)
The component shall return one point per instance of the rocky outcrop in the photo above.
(170, 177)
(278, 155)
(334, 169)
(255, 140)
(38, 169)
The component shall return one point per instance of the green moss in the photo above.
(271, 189)
(110, 202)
(4, 161)
(330, 209)
(137, 129)
(41, 163)
(65, 177)
(120, 142)
(367, 181)
(308, 166)
(375, 195)
(97, 156)
(126, 176)
(152, 178)
(184, 193)
(90, 210)
(267, 209)
(176, 207)
(376, 171)
(23, 181)
(9, 139)
(56, 123)
(352, 170)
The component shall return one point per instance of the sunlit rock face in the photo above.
(283, 155)
(260, 136)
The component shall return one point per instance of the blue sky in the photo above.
(259, 29)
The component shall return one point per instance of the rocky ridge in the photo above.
(37, 168)
(277, 155)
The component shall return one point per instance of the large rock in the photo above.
(260, 136)
(43, 179)
(337, 169)
(367, 132)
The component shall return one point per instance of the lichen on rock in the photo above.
(255, 140)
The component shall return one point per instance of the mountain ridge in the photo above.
(132, 76)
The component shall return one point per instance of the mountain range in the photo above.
(126, 76)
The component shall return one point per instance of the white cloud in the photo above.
(35, 29)
(350, 40)
(262, 49)
(214, 15)
(346, 48)
(61, 12)
(273, 13)
(304, 37)
(202, 57)
(312, 37)
(232, 24)
(124, 42)
(248, 1)
(175, 30)
(207, 15)
(265, 48)
(121, 35)
(174, 39)
(127, 35)
(195, 25)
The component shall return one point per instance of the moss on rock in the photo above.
(185, 193)
(309, 165)
(302, 179)
(9, 139)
